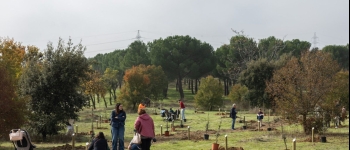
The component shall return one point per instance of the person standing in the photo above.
(182, 110)
(70, 129)
(233, 114)
(260, 116)
(99, 142)
(144, 125)
(118, 117)
(343, 114)
(141, 106)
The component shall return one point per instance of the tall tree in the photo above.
(270, 48)
(158, 81)
(296, 47)
(339, 53)
(95, 88)
(52, 82)
(113, 60)
(225, 69)
(110, 77)
(238, 95)
(13, 109)
(254, 78)
(340, 90)
(302, 84)
(210, 94)
(135, 88)
(12, 57)
(136, 54)
(179, 56)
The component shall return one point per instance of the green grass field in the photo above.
(248, 139)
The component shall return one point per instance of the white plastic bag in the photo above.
(16, 136)
(136, 139)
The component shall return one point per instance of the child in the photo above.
(260, 116)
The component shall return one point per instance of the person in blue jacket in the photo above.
(233, 114)
(260, 116)
(118, 117)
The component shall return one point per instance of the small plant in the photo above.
(323, 129)
(207, 125)
(167, 125)
(206, 128)
(284, 137)
(217, 133)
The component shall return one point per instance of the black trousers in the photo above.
(146, 143)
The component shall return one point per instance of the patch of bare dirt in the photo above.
(231, 148)
(69, 147)
(309, 139)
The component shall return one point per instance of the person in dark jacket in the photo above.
(260, 116)
(99, 142)
(233, 114)
(118, 117)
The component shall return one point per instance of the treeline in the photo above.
(244, 61)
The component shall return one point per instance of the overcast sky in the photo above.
(106, 25)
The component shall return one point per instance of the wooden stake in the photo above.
(226, 142)
(312, 138)
(294, 144)
(189, 137)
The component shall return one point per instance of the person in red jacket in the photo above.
(144, 125)
(182, 110)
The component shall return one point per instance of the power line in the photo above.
(104, 50)
(110, 42)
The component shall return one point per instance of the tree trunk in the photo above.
(104, 101)
(44, 135)
(229, 82)
(93, 101)
(189, 84)
(110, 97)
(134, 106)
(165, 91)
(225, 87)
(114, 95)
(177, 85)
(196, 86)
(304, 123)
(98, 98)
(181, 91)
(192, 86)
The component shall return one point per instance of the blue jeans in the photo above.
(183, 114)
(233, 123)
(118, 137)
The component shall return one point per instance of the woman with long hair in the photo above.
(118, 117)
(99, 142)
